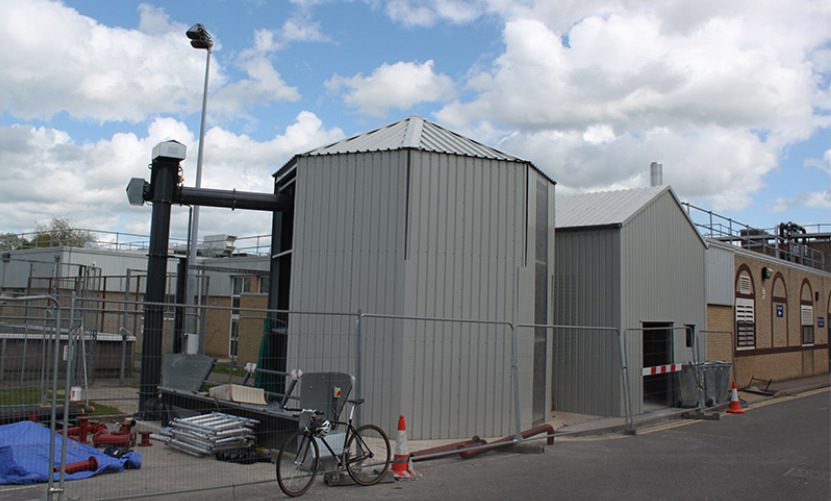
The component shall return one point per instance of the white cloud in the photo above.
(154, 20)
(400, 85)
(819, 200)
(48, 175)
(137, 73)
(816, 200)
(302, 29)
(429, 12)
(716, 96)
(264, 86)
(717, 165)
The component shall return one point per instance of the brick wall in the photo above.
(779, 353)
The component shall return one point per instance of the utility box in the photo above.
(710, 377)
(688, 387)
(716, 381)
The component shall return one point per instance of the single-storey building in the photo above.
(769, 314)
(630, 261)
(414, 220)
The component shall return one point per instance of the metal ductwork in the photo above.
(164, 190)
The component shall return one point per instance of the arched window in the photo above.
(745, 310)
(779, 312)
(806, 313)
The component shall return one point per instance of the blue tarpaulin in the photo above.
(24, 455)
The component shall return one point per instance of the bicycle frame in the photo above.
(365, 455)
(341, 458)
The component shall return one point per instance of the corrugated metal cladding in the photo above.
(719, 280)
(649, 269)
(413, 132)
(416, 233)
(348, 242)
(465, 243)
(663, 279)
(603, 208)
(587, 293)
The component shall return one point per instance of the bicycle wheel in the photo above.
(369, 455)
(297, 464)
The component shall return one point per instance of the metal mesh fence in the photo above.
(451, 378)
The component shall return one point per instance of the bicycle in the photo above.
(366, 456)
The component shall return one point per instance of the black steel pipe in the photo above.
(163, 179)
(232, 199)
(163, 191)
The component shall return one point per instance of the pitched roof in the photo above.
(414, 132)
(603, 208)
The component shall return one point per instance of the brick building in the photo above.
(776, 312)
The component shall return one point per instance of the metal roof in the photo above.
(416, 133)
(603, 208)
(413, 132)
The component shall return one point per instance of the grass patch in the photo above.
(104, 410)
(21, 396)
(221, 369)
(32, 396)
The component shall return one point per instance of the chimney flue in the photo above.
(656, 175)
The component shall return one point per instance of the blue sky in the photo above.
(732, 97)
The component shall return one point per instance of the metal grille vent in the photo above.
(744, 284)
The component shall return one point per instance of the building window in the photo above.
(806, 313)
(233, 345)
(239, 286)
(745, 323)
(807, 316)
(745, 311)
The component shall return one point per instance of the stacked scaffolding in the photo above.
(210, 434)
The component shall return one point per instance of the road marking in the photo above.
(667, 426)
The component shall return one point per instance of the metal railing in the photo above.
(791, 247)
(118, 241)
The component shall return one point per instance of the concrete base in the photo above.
(708, 416)
(526, 448)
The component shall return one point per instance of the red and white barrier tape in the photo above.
(661, 369)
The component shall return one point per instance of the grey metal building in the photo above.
(634, 261)
(415, 220)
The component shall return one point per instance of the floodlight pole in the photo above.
(200, 39)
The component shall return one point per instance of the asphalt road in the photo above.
(779, 449)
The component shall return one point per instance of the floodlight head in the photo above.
(199, 37)
(136, 190)
(170, 149)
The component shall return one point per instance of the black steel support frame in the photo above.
(162, 192)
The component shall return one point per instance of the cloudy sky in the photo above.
(732, 96)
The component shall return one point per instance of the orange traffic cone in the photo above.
(735, 405)
(401, 465)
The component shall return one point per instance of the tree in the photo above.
(11, 241)
(59, 233)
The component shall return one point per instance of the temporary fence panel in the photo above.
(587, 375)
(450, 378)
